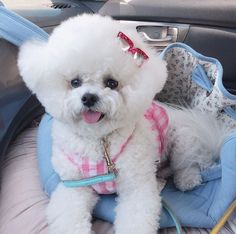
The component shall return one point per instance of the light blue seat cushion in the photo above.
(201, 207)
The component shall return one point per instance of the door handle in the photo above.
(158, 36)
(149, 39)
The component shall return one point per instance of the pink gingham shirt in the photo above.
(89, 168)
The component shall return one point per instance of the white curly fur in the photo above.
(87, 46)
(194, 140)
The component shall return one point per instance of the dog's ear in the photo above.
(31, 63)
(151, 78)
(148, 82)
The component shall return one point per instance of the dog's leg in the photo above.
(194, 140)
(186, 155)
(139, 204)
(188, 178)
(69, 210)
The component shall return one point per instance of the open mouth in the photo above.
(92, 116)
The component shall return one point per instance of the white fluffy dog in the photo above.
(96, 90)
(97, 85)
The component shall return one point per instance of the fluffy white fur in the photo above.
(194, 140)
(87, 46)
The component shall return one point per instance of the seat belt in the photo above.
(17, 30)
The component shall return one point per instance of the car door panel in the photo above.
(212, 25)
(208, 12)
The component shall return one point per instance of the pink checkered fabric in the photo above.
(89, 168)
(159, 120)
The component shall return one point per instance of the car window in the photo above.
(25, 3)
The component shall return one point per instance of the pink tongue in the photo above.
(91, 116)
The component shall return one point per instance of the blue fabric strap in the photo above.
(16, 29)
(90, 181)
(230, 111)
(199, 77)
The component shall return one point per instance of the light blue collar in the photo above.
(90, 181)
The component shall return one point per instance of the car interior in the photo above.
(209, 27)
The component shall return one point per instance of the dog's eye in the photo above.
(111, 83)
(75, 83)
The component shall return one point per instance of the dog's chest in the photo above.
(94, 149)
(99, 158)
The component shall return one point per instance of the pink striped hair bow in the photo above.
(127, 45)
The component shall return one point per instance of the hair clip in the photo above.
(128, 46)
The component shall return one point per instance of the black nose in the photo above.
(89, 99)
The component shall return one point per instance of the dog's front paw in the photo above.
(67, 229)
(139, 213)
(66, 222)
(69, 210)
(187, 179)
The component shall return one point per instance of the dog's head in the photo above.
(90, 75)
